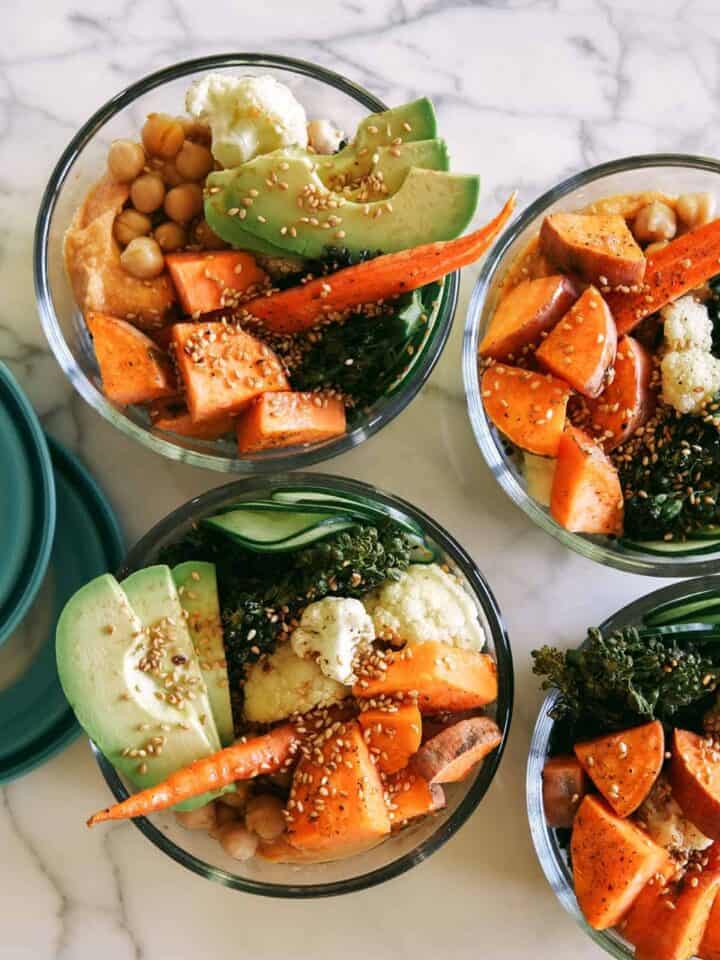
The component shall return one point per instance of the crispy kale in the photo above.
(625, 678)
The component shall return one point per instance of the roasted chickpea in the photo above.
(142, 258)
(203, 818)
(695, 209)
(171, 236)
(206, 237)
(264, 816)
(130, 224)
(223, 815)
(171, 175)
(239, 798)
(147, 193)
(196, 130)
(194, 162)
(184, 202)
(162, 135)
(655, 221)
(126, 160)
(237, 841)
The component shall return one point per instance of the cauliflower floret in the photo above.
(332, 631)
(284, 683)
(426, 604)
(666, 824)
(686, 324)
(689, 379)
(247, 116)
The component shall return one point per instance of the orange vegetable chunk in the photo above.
(695, 778)
(450, 755)
(612, 861)
(564, 784)
(600, 248)
(174, 416)
(586, 495)
(411, 796)
(581, 347)
(522, 315)
(132, 367)
(392, 736)
(529, 408)
(628, 401)
(642, 913)
(287, 419)
(685, 263)
(223, 368)
(206, 282)
(624, 765)
(709, 948)
(347, 812)
(444, 678)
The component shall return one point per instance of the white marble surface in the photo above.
(527, 92)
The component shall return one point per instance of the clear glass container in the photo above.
(401, 851)
(551, 855)
(323, 94)
(671, 173)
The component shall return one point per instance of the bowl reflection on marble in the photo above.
(203, 855)
(671, 173)
(323, 94)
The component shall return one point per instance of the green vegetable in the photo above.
(627, 678)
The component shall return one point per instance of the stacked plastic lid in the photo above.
(56, 533)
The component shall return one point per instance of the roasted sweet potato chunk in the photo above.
(527, 407)
(599, 248)
(628, 401)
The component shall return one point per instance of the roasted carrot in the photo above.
(441, 678)
(243, 760)
(409, 796)
(173, 415)
(288, 419)
(392, 736)
(684, 264)
(133, 369)
(612, 861)
(530, 309)
(206, 282)
(581, 347)
(450, 755)
(302, 307)
(564, 784)
(528, 407)
(695, 778)
(624, 765)
(223, 368)
(597, 247)
(628, 401)
(586, 495)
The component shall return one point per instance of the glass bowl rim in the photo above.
(642, 563)
(502, 653)
(555, 871)
(393, 404)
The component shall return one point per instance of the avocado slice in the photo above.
(388, 164)
(100, 641)
(430, 205)
(196, 584)
(409, 121)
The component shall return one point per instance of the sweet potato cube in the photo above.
(289, 418)
(600, 248)
(206, 282)
(564, 784)
(173, 415)
(628, 401)
(450, 755)
(695, 778)
(411, 796)
(392, 736)
(527, 407)
(586, 495)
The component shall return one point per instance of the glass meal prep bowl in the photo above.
(551, 855)
(398, 853)
(672, 173)
(324, 94)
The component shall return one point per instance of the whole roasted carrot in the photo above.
(243, 760)
(300, 308)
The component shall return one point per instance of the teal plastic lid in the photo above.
(27, 504)
(35, 719)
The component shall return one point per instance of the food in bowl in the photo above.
(272, 682)
(631, 785)
(600, 370)
(244, 271)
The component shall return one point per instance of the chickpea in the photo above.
(162, 135)
(142, 258)
(239, 798)
(147, 193)
(237, 841)
(223, 815)
(126, 160)
(655, 221)
(695, 209)
(171, 175)
(323, 137)
(184, 202)
(130, 224)
(170, 236)
(206, 237)
(194, 162)
(265, 817)
(196, 130)
(203, 818)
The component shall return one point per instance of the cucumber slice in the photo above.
(698, 631)
(347, 503)
(711, 532)
(267, 530)
(681, 548)
(705, 608)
